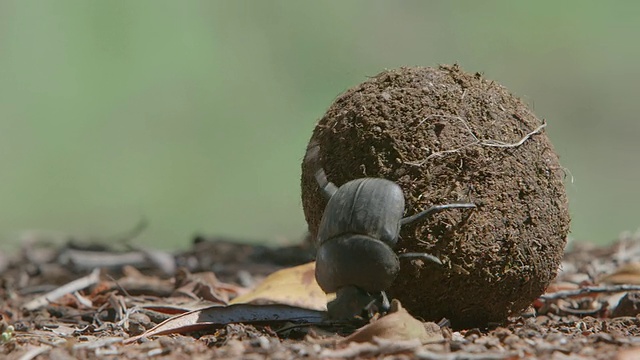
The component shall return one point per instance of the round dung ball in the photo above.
(448, 136)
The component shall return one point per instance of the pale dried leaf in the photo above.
(397, 325)
(294, 286)
(626, 274)
(629, 354)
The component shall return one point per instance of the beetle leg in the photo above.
(424, 256)
(328, 188)
(313, 156)
(434, 209)
(350, 302)
(379, 304)
(384, 306)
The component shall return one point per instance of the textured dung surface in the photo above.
(497, 258)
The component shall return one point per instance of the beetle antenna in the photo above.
(313, 157)
(434, 209)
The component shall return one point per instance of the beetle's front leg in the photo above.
(434, 209)
(421, 255)
(351, 302)
(378, 305)
(313, 157)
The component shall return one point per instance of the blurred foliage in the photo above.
(195, 114)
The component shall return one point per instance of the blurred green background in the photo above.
(196, 114)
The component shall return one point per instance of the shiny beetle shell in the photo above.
(370, 206)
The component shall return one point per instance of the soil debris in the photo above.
(95, 322)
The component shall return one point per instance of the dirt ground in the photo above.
(589, 312)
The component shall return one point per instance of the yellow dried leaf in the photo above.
(294, 286)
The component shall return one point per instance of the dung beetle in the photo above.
(360, 227)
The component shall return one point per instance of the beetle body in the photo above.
(369, 206)
(358, 230)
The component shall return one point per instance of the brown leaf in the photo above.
(554, 288)
(626, 274)
(397, 325)
(135, 282)
(204, 286)
(629, 354)
(628, 305)
(222, 315)
(294, 286)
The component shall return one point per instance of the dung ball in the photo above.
(448, 136)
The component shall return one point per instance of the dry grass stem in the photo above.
(476, 140)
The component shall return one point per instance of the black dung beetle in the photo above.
(358, 231)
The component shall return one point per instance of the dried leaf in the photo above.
(554, 288)
(204, 286)
(222, 315)
(294, 286)
(397, 325)
(627, 305)
(626, 274)
(135, 282)
(561, 286)
(629, 354)
(174, 306)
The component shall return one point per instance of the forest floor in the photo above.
(152, 304)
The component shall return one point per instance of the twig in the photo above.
(98, 343)
(68, 288)
(33, 353)
(589, 290)
(84, 259)
(476, 140)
